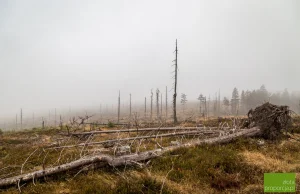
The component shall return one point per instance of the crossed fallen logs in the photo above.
(115, 161)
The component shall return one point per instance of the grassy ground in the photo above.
(236, 167)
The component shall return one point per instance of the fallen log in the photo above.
(140, 137)
(121, 160)
(138, 130)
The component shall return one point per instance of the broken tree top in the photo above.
(270, 118)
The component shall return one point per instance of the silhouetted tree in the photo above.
(226, 104)
(243, 102)
(183, 101)
(235, 101)
(175, 87)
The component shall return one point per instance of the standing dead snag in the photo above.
(21, 118)
(175, 87)
(157, 103)
(119, 103)
(130, 105)
(145, 111)
(166, 102)
(151, 106)
(161, 105)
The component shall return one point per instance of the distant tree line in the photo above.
(241, 103)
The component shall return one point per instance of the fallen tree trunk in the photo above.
(139, 137)
(121, 160)
(138, 130)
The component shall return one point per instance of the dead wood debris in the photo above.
(271, 119)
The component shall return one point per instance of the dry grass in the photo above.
(237, 167)
(267, 163)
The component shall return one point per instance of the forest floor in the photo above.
(236, 167)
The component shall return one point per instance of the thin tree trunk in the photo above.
(119, 104)
(175, 88)
(130, 105)
(145, 110)
(151, 108)
(157, 103)
(166, 102)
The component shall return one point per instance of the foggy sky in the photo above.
(75, 53)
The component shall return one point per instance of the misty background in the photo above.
(75, 55)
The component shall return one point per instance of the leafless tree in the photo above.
(145, 110)
(55, 117)
(175, 86)
(119, 102)
(157, 103)
(130, 105)
(166, 102)
(16, 121)
(151, 106)
(21, 117)
(161, 105)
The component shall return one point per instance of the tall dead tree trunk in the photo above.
(161, 105)
(60, 122)
(157, 103)
(151, 108)
(21, 117)
(166, 102)
(175, 87)
(55, 118)
(145, 110)
(119, 104)
(32, 119)
(48, 123)
(16, 121)
(43, 123)
(130, 105)
(219, 103)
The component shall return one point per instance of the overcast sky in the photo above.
(75, 53)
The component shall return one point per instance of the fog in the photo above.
(79, 54)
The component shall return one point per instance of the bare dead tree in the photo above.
(100, 109)
(32, 119)
(219, 103)
(119, 103)
(145, 111)
(151, 106)
(166, 102)
(161, 105)
(130, 105)
(16, 121)
(55, 117)
(43, 123)
(157, 103)
(60, 122)
(21, 117)
(208, 104)
(175, 87)
(48, 118)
